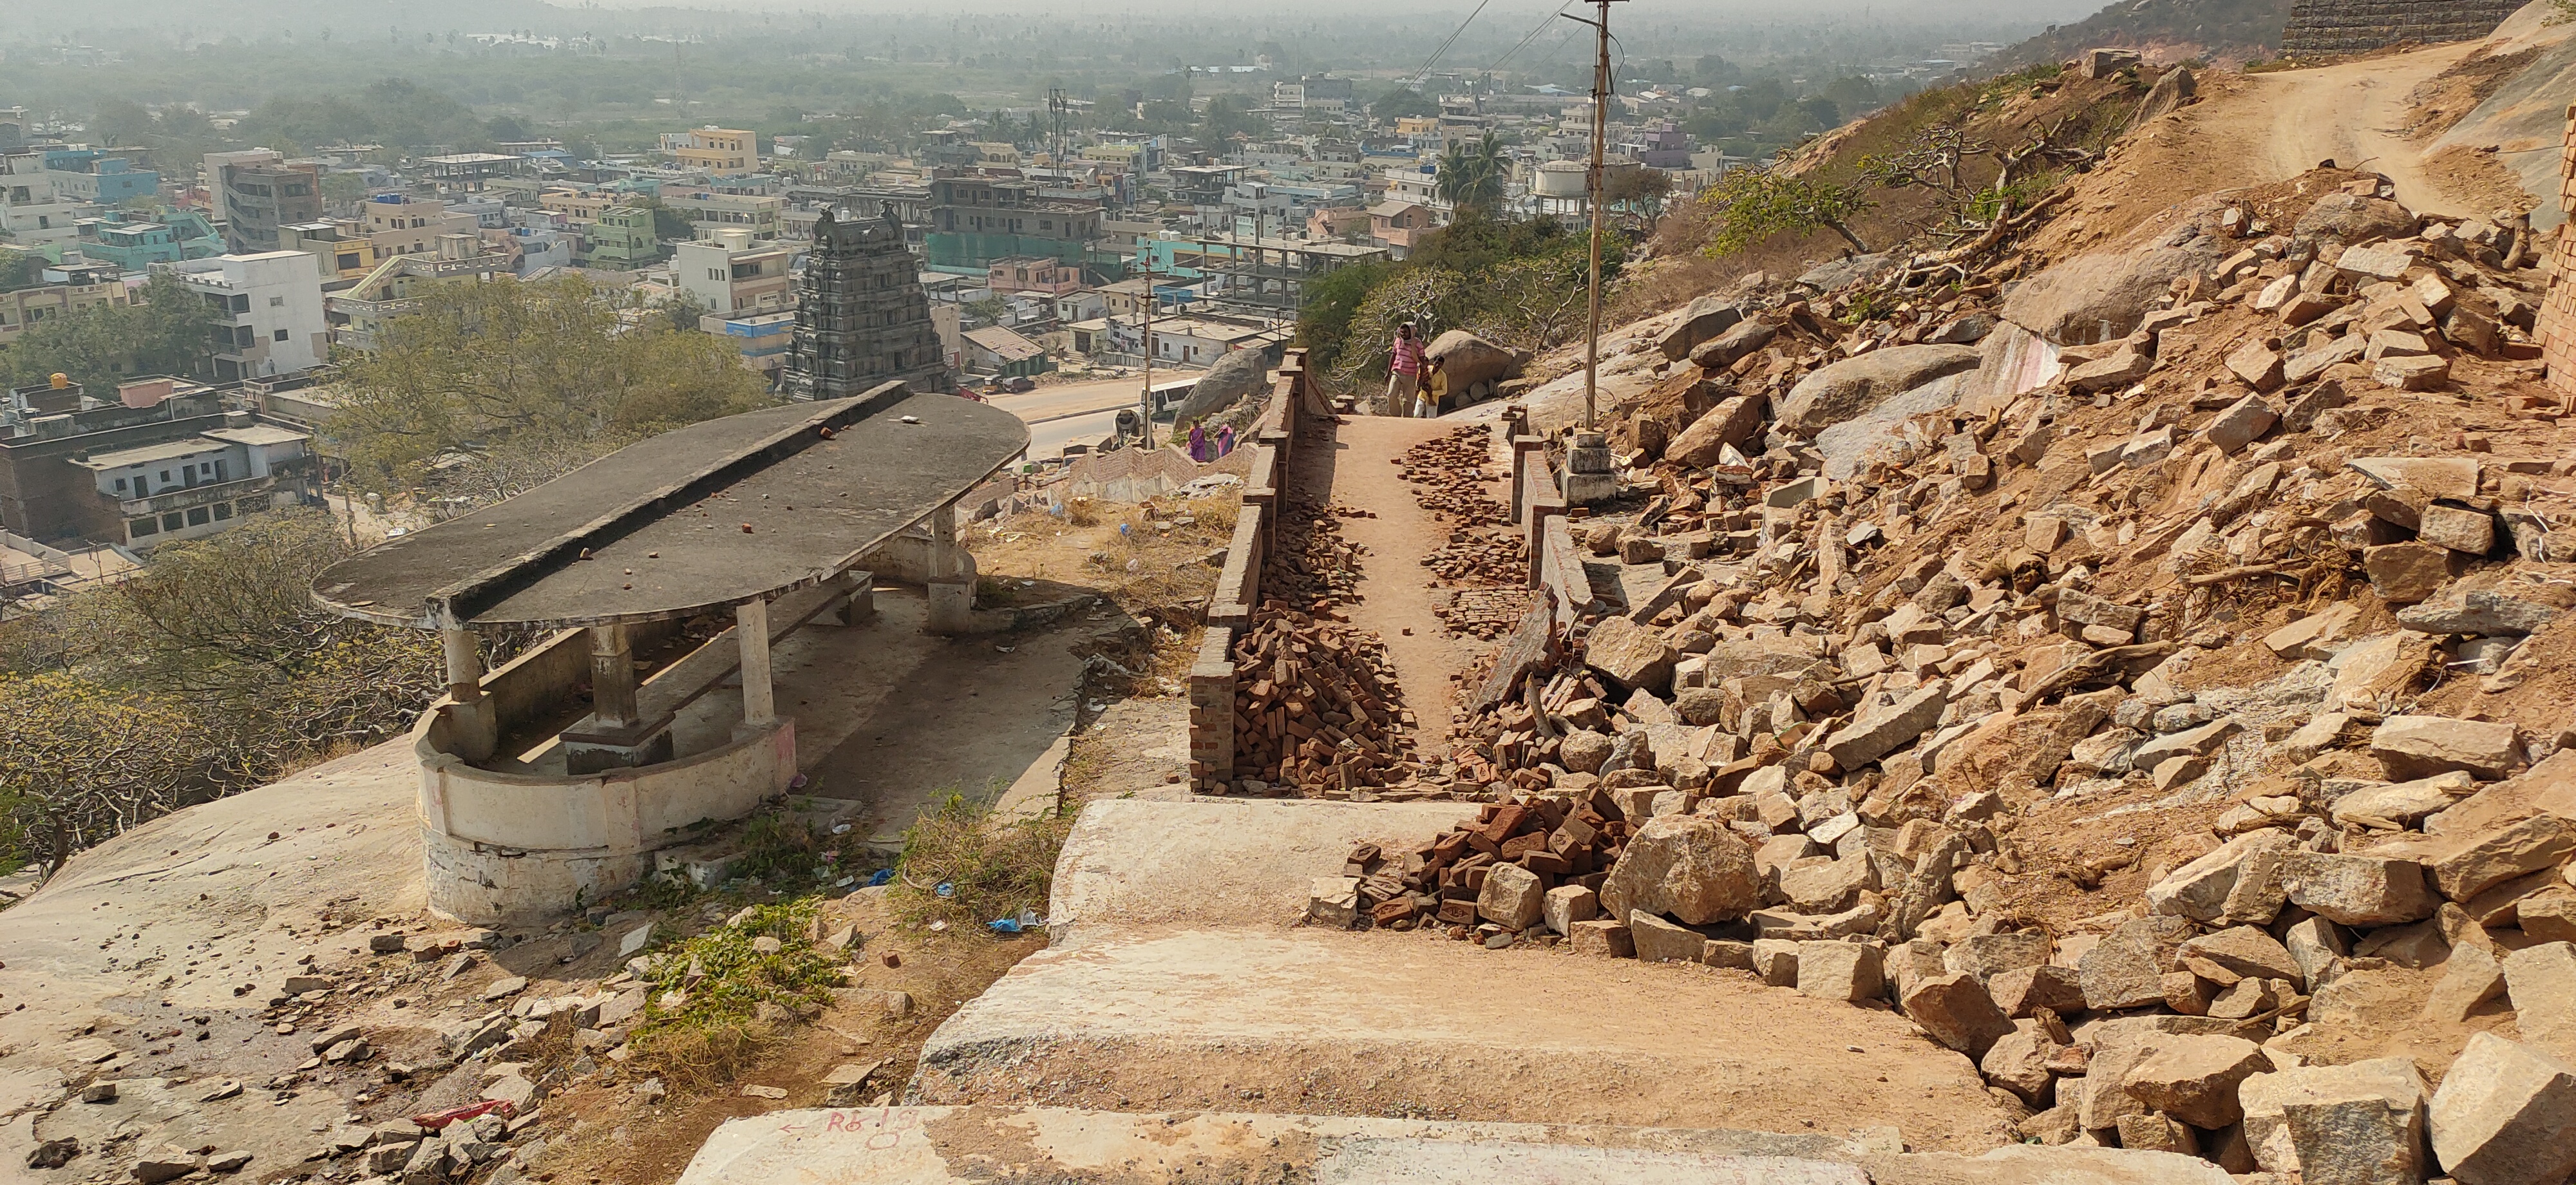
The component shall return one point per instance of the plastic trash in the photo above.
(1005, 925)
(946, 889)
(796, 783)
(845, 882)
(840, 829)
(878, 878)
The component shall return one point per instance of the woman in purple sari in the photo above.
(1199, 441)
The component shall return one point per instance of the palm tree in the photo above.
(1472, 175)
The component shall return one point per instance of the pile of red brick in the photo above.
(1449, 478)
(1479, 556)
(1543, 842)
(1310, 566)
(1316, 706)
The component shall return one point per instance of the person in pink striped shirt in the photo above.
(1404, 377)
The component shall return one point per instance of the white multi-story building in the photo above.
(733, 274)
(33, 212)
(272, 307)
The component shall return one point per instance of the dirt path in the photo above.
(2257, 129)
(1395, 596)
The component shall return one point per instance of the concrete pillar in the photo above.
(612, 676)
(751, 631)
(859, 591)
(464, 665)
(478, 726)
(952, 576)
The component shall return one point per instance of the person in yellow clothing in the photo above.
(1435, 386)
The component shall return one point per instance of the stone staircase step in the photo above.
(1219, 862)
(1311, 1021)
(936, 1145)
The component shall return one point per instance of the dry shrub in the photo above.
(962, 866)
(1082, 512)
(706, 1057)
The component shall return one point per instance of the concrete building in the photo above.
(360, 313)
(861, 316)
(765, 339)
(720, 151)
(159, 461)
(88, 175)
(976, 220)
(272, 306)
(62, 289)
(1397, 225)
(32, 211)
(1001, 353)
(733, 274)
(709, 211)
(400, 225)
(342, 251)
(254, 197)
(1032, 273)
(135, 243)
(621, 238)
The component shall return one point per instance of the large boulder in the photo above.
(1734, 421)
(1856, 385)
(2352, 218)
(2105, 295)
(1238, 374)
(1706, 318)
(1468, 360)
(1690, 867)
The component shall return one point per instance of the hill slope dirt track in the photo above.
(2256, 129)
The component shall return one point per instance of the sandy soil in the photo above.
(1394, 597)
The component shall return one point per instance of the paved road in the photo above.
(1066, 413)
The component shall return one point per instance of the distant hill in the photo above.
(2228, 31)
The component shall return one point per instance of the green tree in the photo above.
(1324, 323)
(669, 225)
(20, 269)
(1403, 102)
(519, 383)
(168, 330)
(1751, 205)
(1473, 174)
(1229, 116)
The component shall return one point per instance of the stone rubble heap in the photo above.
(1820, 750)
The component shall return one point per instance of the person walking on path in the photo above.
(1404, 371)
(1199, 442)
(1224, 442)
(1434, 384)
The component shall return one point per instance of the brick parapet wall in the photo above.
(1212, 713)
(2558, 311)
(2321, 27)
(1278, 434)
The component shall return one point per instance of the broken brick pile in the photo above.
(1317, 708)
(1310, 565)
(1840, 733)
(1449, 478)
(1499, 874)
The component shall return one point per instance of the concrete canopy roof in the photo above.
(656, 529)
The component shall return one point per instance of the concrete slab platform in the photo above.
(1325, 1022)
(954, 1145)
(1216, 861)
(941, 1145)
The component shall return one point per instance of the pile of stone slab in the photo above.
(1317, 707)
(1828, 724)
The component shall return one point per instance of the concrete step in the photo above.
(1131, 864)
(1310, 1021)
(955, 1145)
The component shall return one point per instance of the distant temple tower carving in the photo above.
(861, 317)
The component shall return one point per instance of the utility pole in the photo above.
(1146, 401)
(1593, 178)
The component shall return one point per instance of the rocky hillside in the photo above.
(2146, 672)
(2217, 31)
